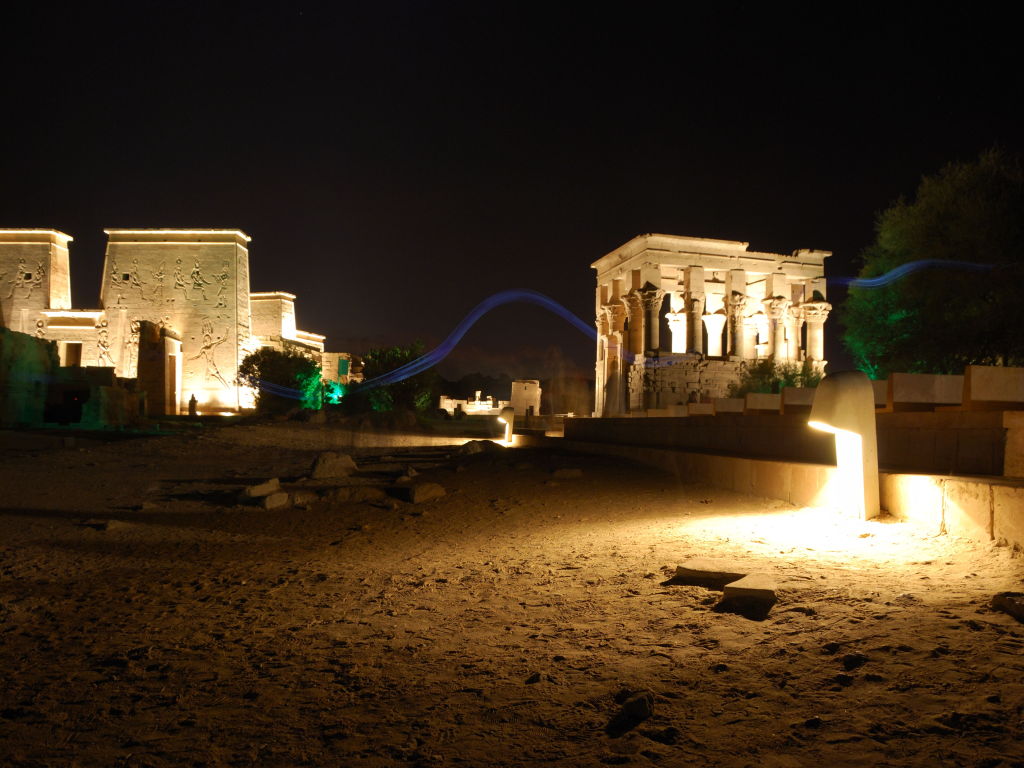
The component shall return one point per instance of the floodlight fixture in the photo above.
(508, 416)
(844, 405)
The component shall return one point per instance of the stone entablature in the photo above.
(720, 302)
(192, 285)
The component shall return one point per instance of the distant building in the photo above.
(526, 395)
(723, 306)
(186, 290)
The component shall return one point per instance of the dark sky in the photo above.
(396, 163)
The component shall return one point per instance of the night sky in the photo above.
(396, 163)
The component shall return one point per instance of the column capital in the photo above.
(615, 316)
(737, 303)
(651, 298)
(816, 311)
(776, 306)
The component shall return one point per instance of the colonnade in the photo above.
(733, 324)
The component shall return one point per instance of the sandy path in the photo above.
(493, 627)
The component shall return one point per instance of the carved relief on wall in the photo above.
(40, 328)
(133, 345)
(208, 352)
(26, 280)
(199, 282)
(159, 277)
(135, 281)
(222, 278)
(179, 279)
(103, 347)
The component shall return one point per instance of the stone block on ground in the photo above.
(480, 446)
(276, 500)
(262, 489)
(418, 493)
(1011, 603)
(332, 464)
(710, 573)
(752, 596)
(634, 711)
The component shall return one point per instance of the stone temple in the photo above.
(179, 298)
(720, 305)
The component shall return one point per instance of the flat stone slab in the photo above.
(332, 464)
(757, 586)
(710, 573)
(752, 596)
(263, 489)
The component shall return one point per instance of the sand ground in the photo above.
(146, 619)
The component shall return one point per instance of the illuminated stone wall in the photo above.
(192, 285)
(194, 282)
(34, 275)
(718, 302)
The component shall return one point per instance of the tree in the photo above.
(938, 320)
(416, 393)
(282, 379)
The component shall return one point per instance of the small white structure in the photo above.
(526, 395)
(486, 406)
(844, 404)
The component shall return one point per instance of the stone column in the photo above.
(696, 325)
(794, 321)
(775, 308)
(815, 314)
(634, 314)
(652, 300)
(614, 403)
(750, 337)
(677, 329)
(601, 366)
(737, 339)
(715, 324)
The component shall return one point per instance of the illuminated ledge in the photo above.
(177, 236)
(71, 318)
(263, 296)
(307, 336)
(19, 236)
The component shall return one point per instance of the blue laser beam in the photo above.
(906, 269)
(442, 350)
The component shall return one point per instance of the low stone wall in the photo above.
(978, 508)
(955, 442)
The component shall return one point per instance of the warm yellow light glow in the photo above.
(808, 534)
(237, 232)
(501, 420)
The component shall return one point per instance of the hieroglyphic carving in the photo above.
(208, 353)
(103, 348)
(159, 276)
(222, 278)
(135, 281)
(199, 282)
(133, 345)
(179, 279)
(16, 280)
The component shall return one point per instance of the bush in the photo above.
(282, 379)
(770, 377)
